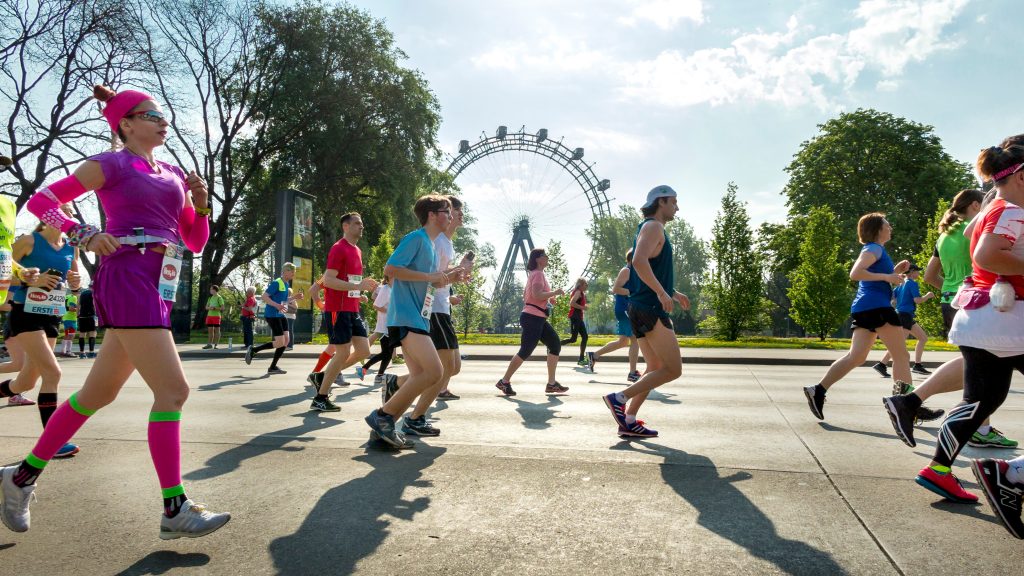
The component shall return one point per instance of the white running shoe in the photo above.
(193, 521)
(14, 501)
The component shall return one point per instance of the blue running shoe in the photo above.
(384, 426)
(618, 409)
(360, 372)
(637, 430)
(66, 451)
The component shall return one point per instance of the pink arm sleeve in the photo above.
(194, 230)
(45, 203)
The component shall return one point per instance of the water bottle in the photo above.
(1002, 295)
(231, 346)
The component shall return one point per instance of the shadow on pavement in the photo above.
(971, 510)
(268, 406)
(724, 510)
(350, 521)
(163, 561)
(225, 383)
(537, 416)
(231, 459)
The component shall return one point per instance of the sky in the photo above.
(696, 93)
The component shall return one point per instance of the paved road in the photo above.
(742, 480)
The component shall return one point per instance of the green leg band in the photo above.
(165, 416)
(173, 491)
(73, 401)
(35, 462)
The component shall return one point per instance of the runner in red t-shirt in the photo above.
(343, 282)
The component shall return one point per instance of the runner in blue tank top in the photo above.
(652, 296)
(622, 328)
(872, 312)
(35, 328)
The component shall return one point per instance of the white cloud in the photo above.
(612, 141)
(887, 86)
(551, 54)
(665, 14)
(775, 67)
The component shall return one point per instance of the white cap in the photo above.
(662, 191)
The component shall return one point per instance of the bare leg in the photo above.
(860, 346)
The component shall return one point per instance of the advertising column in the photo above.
(294, 243)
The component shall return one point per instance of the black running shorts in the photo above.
(278, 326)
(442, 332)
(342, 327)
(22, 322)
(643, 320)
(875, 318)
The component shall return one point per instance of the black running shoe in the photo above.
(902, 415)
(1004, 496)
(418, 427)
(315, 379)
(591, 360)
(248, 355)
(389, 388)
(505, 387)
(918, 368)
(881, 369)
(816, 405)
(324, 405)
(276, 370)
(926, 414)
(555, 388)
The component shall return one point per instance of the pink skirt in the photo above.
(126, 290)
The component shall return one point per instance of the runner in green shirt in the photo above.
(70, 319)
(214, 307)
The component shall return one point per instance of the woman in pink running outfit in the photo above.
(151, 207)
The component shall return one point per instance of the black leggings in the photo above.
(986, 384)
(536, 329)
(578, 328)
(384, 356)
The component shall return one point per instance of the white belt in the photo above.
(137, 240)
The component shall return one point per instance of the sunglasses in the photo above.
(154, 116)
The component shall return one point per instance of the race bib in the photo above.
(428, 302)
(6, 269)
(48, 303)
(355, 278)
(170, 271)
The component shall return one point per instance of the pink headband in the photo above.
(122, 103)
(1004, 173)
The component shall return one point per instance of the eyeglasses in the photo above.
(154, 116)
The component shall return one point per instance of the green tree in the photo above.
(779, 245)
(820, 285)
(557, 274)
(266, 96)
(473, 312)
(870, 161)
(379, 255)
(929, 314)
(690, 264)
(734, 289)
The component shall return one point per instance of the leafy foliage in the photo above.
(820, 290)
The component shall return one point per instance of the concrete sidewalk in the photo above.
(741, 356)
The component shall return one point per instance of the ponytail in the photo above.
(958, 211)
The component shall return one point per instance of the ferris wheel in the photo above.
(520, 187)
